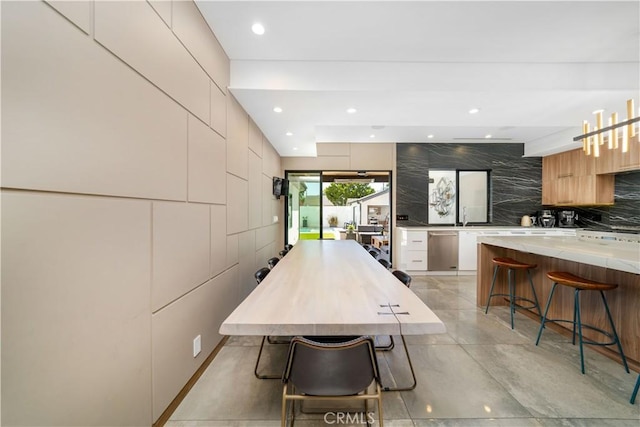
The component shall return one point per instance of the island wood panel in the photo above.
(624, 301)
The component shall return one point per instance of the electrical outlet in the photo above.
(197, 345)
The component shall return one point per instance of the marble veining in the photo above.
(516, 184)
(515, 181)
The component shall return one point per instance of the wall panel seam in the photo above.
(179, 297)
(147, 79)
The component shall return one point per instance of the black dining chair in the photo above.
(385, 263)
(403, 277)
(261, 274)
(327, 368)
(406, 280)
(271, 262)
(283, 253)
(288, 246)
(374, 254)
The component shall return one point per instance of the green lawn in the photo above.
(315, 236)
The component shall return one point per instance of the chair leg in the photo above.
(413, 374)
(579, 320)
(512, 307)
(255, 370)
(388, 347)
(380, 418)
(635, 391)
(283, 415)
(615, 334)
(546, 310)
(493, 283)
(533, 289)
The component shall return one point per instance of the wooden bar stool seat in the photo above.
(582, 284)
(512, 266)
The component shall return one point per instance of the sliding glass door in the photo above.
(325, 204)
(304, 206)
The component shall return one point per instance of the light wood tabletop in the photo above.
(331, 287)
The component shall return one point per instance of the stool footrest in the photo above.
(593, 328)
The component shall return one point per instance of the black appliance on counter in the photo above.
(546, 218)
(567, 218)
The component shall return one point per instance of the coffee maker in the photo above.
(567, 218)
(546, 218)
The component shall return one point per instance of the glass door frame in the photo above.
(287, 202)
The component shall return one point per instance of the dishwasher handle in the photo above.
(442, 233)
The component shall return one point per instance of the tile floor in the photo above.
(480, 373)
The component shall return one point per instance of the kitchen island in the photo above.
(604, 257)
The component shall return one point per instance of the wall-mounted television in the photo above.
(280, 187)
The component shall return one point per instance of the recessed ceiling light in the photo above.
(488, 136)
(289, 134)
(257, 28)
(474, 111)
(277, 109)
(295, 148)
(372, 136)
(351, 110)
(430, 136)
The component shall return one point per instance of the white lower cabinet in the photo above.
(413, 250)
(467, 250)
(413, 244)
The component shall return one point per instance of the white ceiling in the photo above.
(535, 69)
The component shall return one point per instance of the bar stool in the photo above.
(581, 284)
(512, 265)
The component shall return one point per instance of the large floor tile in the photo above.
(452, 385)
(547, 385)
(475, 327)
(228, 390)
(479, 422)
(587, 422)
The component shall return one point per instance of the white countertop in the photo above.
(602, 253)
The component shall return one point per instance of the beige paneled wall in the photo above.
(345, 156)
(136, 206)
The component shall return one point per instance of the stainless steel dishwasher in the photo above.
(442, 251)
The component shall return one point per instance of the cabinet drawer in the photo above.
(417, 261)
(417, 241)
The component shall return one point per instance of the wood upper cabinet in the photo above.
(614, 161)
(569, 179)
(631, 159)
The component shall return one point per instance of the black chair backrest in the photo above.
(272, 262)
(261, 274)
(374, 253)
(403, 277)
(283, 252)
(288, 247)
(385, 263)
(331, 368)
(366, 247)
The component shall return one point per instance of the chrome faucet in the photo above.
(464, 216)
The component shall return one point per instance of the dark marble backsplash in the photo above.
(625, 212)
(516, 187)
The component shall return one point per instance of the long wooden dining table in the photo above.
(331, 287)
